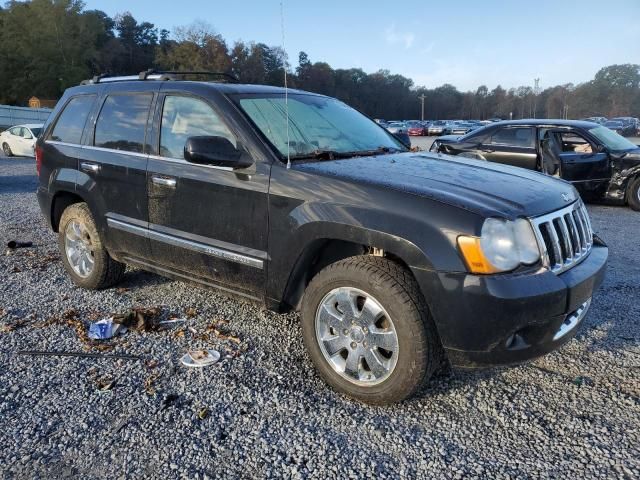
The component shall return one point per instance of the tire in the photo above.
(7, 149)
(633, 194)
(418, 353)
(105, 271)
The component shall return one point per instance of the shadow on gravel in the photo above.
(18, 184)
(137, 279)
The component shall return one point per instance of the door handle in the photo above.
(164, 181)
(89, 167)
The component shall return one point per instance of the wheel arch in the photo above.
(59, 203)
(323, 251)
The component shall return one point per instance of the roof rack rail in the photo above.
(160, 75)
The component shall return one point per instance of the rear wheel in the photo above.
(368, 330)
(83, 255)
(633, 195)
(7, 149)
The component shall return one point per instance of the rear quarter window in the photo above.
(70, 123)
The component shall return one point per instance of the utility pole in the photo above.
(422, 97)
(536, 92)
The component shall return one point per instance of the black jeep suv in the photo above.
(600, 163)
(396, 260)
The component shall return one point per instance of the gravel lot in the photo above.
(573, 413)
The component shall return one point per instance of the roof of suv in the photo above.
(226, 88)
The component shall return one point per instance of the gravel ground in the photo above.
(575, 412)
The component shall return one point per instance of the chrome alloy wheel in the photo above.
(79, 248)
(356, 336)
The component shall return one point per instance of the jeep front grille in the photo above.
(565, 236)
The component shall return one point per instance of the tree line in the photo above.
(49, 45)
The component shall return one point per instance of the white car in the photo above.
(20, 140)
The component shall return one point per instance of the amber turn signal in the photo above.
(473, 256)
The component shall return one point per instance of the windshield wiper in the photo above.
(323, 154)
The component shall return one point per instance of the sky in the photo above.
(467, 44)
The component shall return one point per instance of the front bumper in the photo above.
(488, 320)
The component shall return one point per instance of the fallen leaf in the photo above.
(151, 364)
(149, 383)
(10, 327)
(203, 413)
(179, 333)
(191, 312)
(104, 384)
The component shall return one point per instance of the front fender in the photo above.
(623, 170)
(422, 241)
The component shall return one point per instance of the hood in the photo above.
(489, 189)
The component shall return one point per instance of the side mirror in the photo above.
(219, 151)
(601, 148)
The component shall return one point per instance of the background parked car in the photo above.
(621, 128)
(631, 125)
(399, 130)
(458, 128)
(436, 127)
(415, 128)
(600, 163)
(20, 139)
(598, 120)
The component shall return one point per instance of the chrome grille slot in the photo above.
(565, 236)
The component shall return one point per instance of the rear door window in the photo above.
(122, 122)
(70, 123)
(514, 137)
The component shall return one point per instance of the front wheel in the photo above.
(633, 195)
(368, 330)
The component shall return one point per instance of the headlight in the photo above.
(503, 246)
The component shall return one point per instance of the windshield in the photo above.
(611, 139)
(613, 124)
(316, 124)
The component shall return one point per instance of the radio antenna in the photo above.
(286, 90)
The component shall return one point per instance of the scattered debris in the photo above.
(121, 290)
(191, 312)
(15, 269)
(200, 358)
(105, 329)
(43, 353)
(203, 413)
(13, 244)
(172, 320)
(141, 319)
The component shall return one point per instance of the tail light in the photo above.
(38, 158)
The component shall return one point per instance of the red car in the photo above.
(415, 129)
